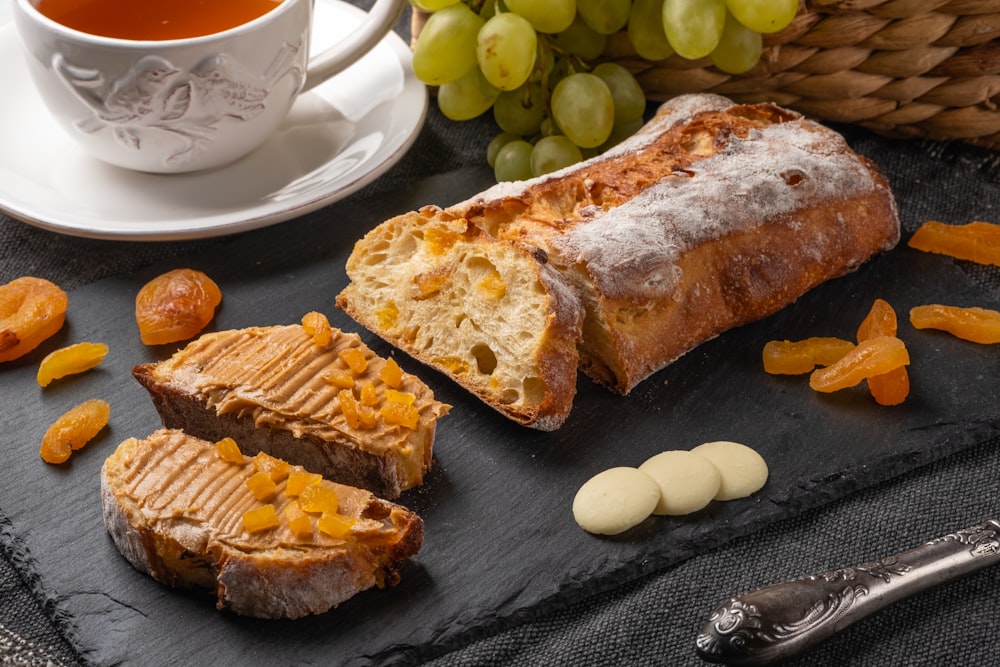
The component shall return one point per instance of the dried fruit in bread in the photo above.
(712, 216)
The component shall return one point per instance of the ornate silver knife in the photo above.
(783, 620)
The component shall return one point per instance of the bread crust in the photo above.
(268, 581)
(712, 216)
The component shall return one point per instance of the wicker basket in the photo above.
(901, 68)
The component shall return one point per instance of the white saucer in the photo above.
(339, 137)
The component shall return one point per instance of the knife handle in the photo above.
(784, 620)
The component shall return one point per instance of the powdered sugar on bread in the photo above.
(632, 250)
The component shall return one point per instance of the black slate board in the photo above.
(500, 538)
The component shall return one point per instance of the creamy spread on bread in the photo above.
(276, 389)
(272, 540)
(179, 480)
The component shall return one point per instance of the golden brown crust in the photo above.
(268, 575)
(712, 216)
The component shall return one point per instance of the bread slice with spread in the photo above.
(271, 540)
(328, 403)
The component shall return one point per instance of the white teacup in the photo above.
(181, 105)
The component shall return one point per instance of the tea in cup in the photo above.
(171, 86)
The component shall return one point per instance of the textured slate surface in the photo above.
(500, 536)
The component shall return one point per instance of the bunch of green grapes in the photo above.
(530, 61)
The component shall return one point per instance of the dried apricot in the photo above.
(785, 357)
(175, 306)
(74, 429)
(70, 360)
(893, 387)
(874, 356)
(317, 326)
(31, 310)
(979, 325)
(976, 241)
(260, 519)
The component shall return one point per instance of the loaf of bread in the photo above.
(190, 517)
(277, 390)
(712, 216)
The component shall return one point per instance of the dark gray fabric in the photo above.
(653, 621)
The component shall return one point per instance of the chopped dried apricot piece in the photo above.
(260, 519)
(261, 485)
(349, 407)
(366, 417)
(74, 429)
(318, 326)
(31, 310)
(335, 525)
(401, 414)
(339, 378)
(355, 360)
(369, 395)
(70, 360)
(404, 397)
(391, 373)
(430, 283)
(873, 356)
(298, 480)
(976, 241)
(299, 522)
(175, 306)
(979, 325)
(492, 285)
(388, 315)
(273, 466)
(228, 450)
(319, 499)
(785, 357)
(893, 387)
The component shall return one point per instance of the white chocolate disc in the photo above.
(742, 469)
(615, 500)
(687, 482)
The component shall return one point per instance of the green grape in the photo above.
(520, 111)
(545, 15)
(738, 49)
(630, 101)
(580, 40)
(764, 15)
(467, 96)
(496, 144)
(604, 16)
(583, 108)
(552, 153)
(694, 27)
(505, 50)
(446, 46)
(513, 162)
(432, 5)
(548, 127)
(645, 30)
